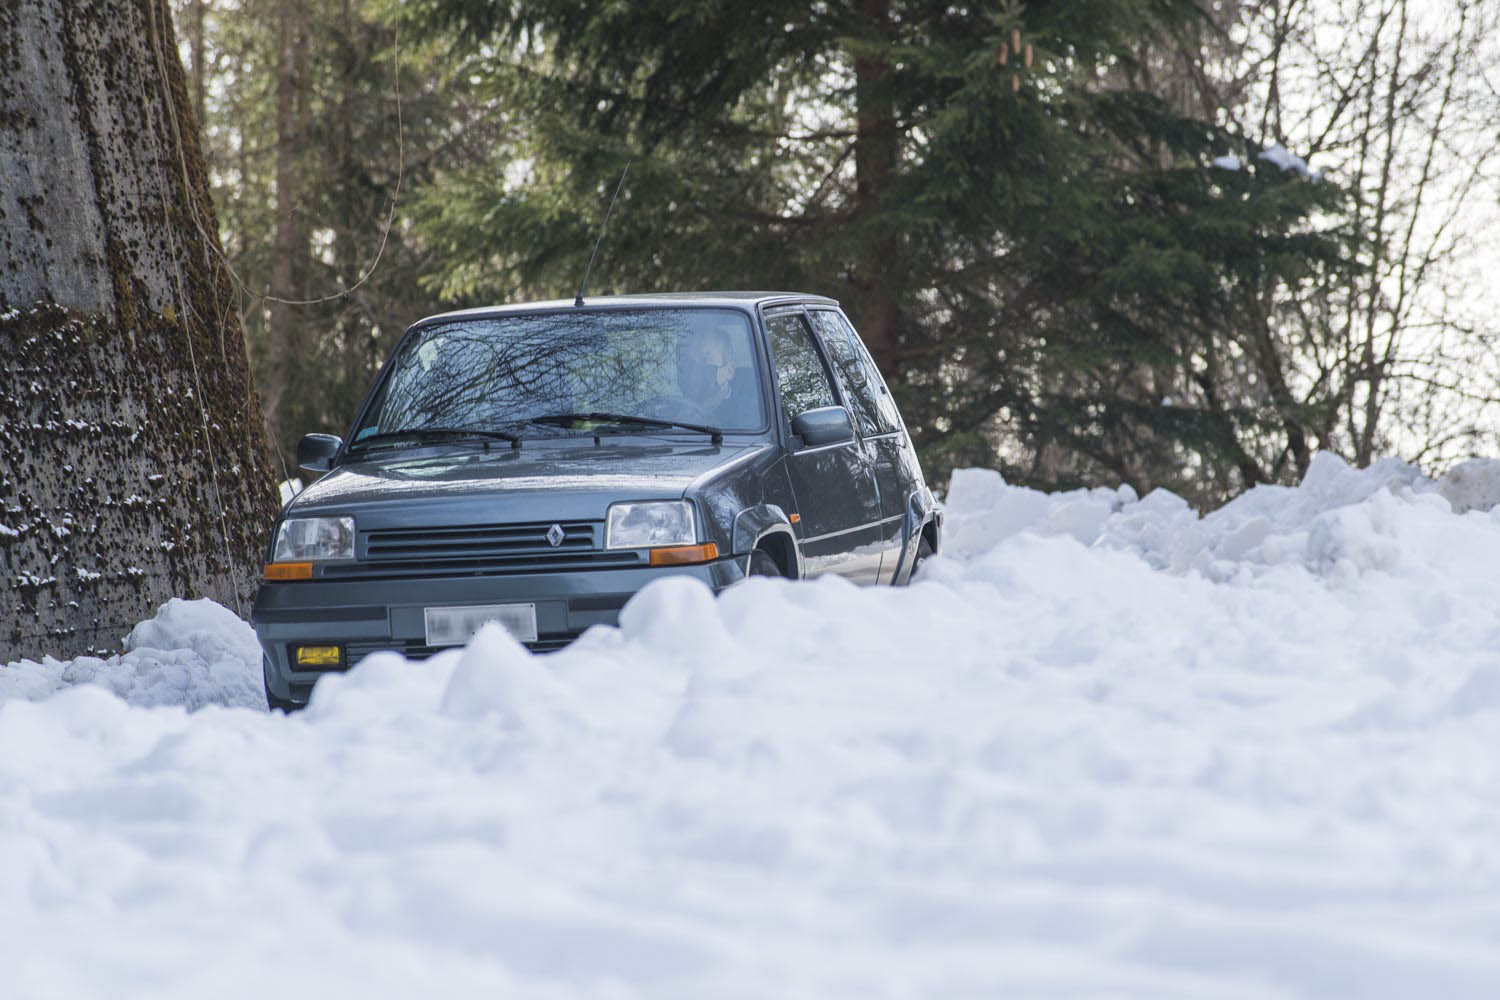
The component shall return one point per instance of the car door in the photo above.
(882, 435)
(834, 486)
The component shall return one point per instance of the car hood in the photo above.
(573, 481)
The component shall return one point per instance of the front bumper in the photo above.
(365, 616)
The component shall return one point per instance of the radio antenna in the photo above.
(585, 283)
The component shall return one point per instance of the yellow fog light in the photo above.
(320, 656)
(684, 555)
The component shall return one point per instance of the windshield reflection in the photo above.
(689, 365)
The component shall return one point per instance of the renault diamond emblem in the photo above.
(555, 535)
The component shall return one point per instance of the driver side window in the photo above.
(801, 380)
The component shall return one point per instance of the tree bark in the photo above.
(134, 465)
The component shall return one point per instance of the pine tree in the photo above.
(321, 118)
(1019, 230)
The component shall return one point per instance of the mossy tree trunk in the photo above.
(133, 463)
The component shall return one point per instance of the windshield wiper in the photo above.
(564, 419)
(436, 433)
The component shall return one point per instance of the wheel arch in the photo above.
(924, 519)
(766, 526)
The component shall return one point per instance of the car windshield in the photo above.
(689, 366)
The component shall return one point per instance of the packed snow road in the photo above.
(1103, 747)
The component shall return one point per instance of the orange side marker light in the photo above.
(289, 571)
(684, 555)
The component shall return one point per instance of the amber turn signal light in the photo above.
(684, 555)
(288, 571)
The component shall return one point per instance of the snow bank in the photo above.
(193, 653)
(1104, 747)
(1339, 520)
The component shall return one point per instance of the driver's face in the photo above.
(714, 353)
(717, 357)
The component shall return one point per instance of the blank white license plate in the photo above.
(456, 626)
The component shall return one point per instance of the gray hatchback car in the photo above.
(536, 465)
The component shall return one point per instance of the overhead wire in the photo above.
(210, 240)
(185, 309)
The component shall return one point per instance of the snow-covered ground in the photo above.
(1103, 747)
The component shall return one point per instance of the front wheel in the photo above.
(761, 563)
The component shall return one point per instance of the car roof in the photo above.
(733, 299)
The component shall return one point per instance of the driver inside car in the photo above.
(705, 374)
(708, 391)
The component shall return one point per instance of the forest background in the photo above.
(1159, 242)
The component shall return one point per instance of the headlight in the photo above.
(310, 539)
(649, 524)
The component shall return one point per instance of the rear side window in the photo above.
(801, 379)
(874, 410)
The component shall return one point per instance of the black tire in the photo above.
(761, 563)
(924, 552)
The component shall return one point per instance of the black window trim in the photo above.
(801, 309)
(411, 332)
(839, 384)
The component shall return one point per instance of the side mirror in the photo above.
(825, 425)
(315, 452)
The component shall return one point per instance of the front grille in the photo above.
(415, 649)
(481, 567)
(484, 541)
(356, 651)
(481, 550)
